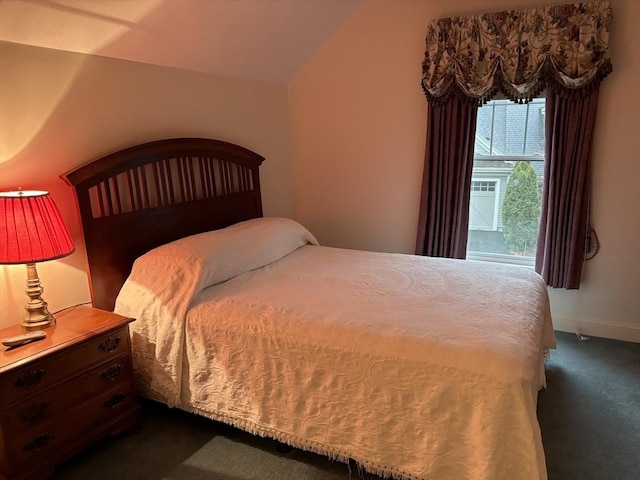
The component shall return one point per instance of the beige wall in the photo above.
(358, 134)
(59, 110)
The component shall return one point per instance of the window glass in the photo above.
(504, 211)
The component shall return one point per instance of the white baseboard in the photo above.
(615, 330)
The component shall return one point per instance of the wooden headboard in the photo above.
(144, 196)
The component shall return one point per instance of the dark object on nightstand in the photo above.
(24, 338)
(62, 393)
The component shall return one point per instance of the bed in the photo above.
(414, 367)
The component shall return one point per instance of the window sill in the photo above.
(526, 262)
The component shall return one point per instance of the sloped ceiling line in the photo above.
(260, 40)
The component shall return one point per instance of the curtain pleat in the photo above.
(564, 223)
(446, 184)
(518, 52)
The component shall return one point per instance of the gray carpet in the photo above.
(589, 415)
(590, 412)
(225, 459)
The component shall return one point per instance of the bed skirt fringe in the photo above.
(302, 444)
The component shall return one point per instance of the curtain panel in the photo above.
(566, 198)
(443, 225)
(518, 52)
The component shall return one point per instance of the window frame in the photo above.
(521, 261)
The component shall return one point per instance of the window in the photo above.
(483, 186)
(506, 196)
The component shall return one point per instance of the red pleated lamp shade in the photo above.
(31, 228)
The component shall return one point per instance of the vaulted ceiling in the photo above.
(262, 40)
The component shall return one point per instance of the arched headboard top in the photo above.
(146, 195)
(117, 162)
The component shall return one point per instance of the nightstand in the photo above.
(60, 394)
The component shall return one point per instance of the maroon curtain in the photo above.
(564, 220)
(446, 182)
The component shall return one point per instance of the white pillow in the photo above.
(222, 254)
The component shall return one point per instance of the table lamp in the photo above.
(32, 230)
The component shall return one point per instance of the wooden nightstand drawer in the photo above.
(31, 445)
(34, 378)
(62, 393)
(26, 415)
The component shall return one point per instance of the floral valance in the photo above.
(518, 52)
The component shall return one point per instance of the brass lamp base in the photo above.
(37, 316)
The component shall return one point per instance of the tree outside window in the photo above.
(521, 210)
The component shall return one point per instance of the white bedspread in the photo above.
(415, 367)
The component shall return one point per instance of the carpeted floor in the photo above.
(589, 416)
(590, 412)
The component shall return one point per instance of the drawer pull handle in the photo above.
(109, 344)
(33, 413)
(30, 379)
(111, 373)
(39, 442)
(115, 400)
